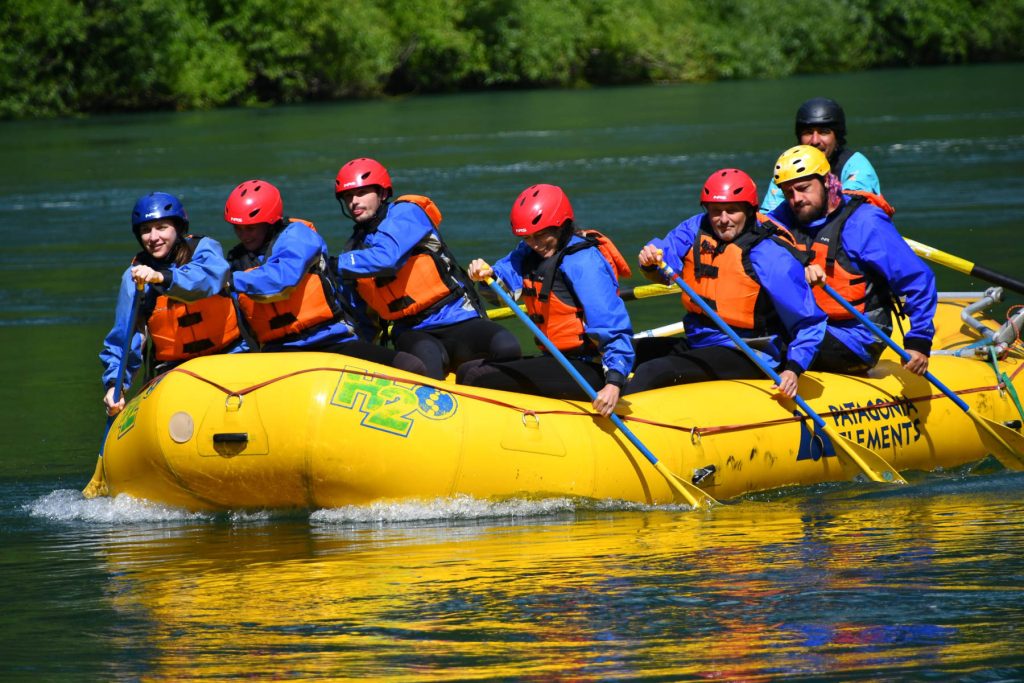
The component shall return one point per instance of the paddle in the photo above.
(669, 330)
(874, 466)
(964, 266)
(629, 294)
(97, 486)
(1006, 444)
(693, 495)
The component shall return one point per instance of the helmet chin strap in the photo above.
(344, 207)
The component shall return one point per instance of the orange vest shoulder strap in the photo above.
(873, 199)
(610, 252)
(425, 203)
(308, 224)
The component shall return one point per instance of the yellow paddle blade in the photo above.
(647, 291)
(942, 258)
(97, 486)
(694, 496)
(1006, 444)
(874, 466)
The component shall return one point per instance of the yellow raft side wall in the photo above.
(326, 434)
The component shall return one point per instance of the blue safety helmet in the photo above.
(157, 205)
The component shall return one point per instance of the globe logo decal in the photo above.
(434, 403)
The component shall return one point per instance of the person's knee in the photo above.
(430, 353)
(504, 346)
(409, 363)
(470, 372)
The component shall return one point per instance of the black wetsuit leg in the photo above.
(446, 348)
(835, 356)
(541, 375)
(375, 353)
(693, 365)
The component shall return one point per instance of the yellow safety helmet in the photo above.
(801, 161)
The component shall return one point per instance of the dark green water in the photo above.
(838, 583)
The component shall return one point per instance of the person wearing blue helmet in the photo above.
(821, 123)
(184, 312)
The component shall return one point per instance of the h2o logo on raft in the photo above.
(390, 406)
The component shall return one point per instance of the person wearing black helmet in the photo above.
(821, 123)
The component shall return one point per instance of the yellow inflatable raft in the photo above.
(313, 430)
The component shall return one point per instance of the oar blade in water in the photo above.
(865, 460)
(1006, 444)
(97, 486)
(694, 496)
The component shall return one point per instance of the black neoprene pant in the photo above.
(375, 353)
(442, 349)
(541, 375)
(682, 366)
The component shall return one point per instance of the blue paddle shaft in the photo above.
(743, 346)
(122, 365)
(878, 332)
(564, 362)
(126, 347)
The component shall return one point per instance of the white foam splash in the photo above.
(465, 508)
(68, 505)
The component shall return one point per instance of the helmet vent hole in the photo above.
(252, 214)
(364, 176)
(536, 219)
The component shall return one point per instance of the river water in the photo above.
(837, 582)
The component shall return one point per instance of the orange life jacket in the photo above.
(838, 164)
(863, 291)
(550, 300)
(873, 199)
(427, 280)
(722, 274)
(180, 330)
(609, 251)
(311, 302)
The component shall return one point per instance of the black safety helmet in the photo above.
(821, 111)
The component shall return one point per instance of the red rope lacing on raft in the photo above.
(693, 431)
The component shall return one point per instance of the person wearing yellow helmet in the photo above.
(821, 123)
(858, 251)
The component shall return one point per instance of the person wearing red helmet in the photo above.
(409, 278)
(753, 279)
(184, 312)
(288, 297)
(568, 280)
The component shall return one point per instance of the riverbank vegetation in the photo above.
(62, 57)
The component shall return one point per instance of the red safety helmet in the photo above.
(362, 172)
(539, 207)
(254, 201)
(729, 185)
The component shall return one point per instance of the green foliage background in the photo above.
(61, 57)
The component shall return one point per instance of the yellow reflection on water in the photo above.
(839, 584)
